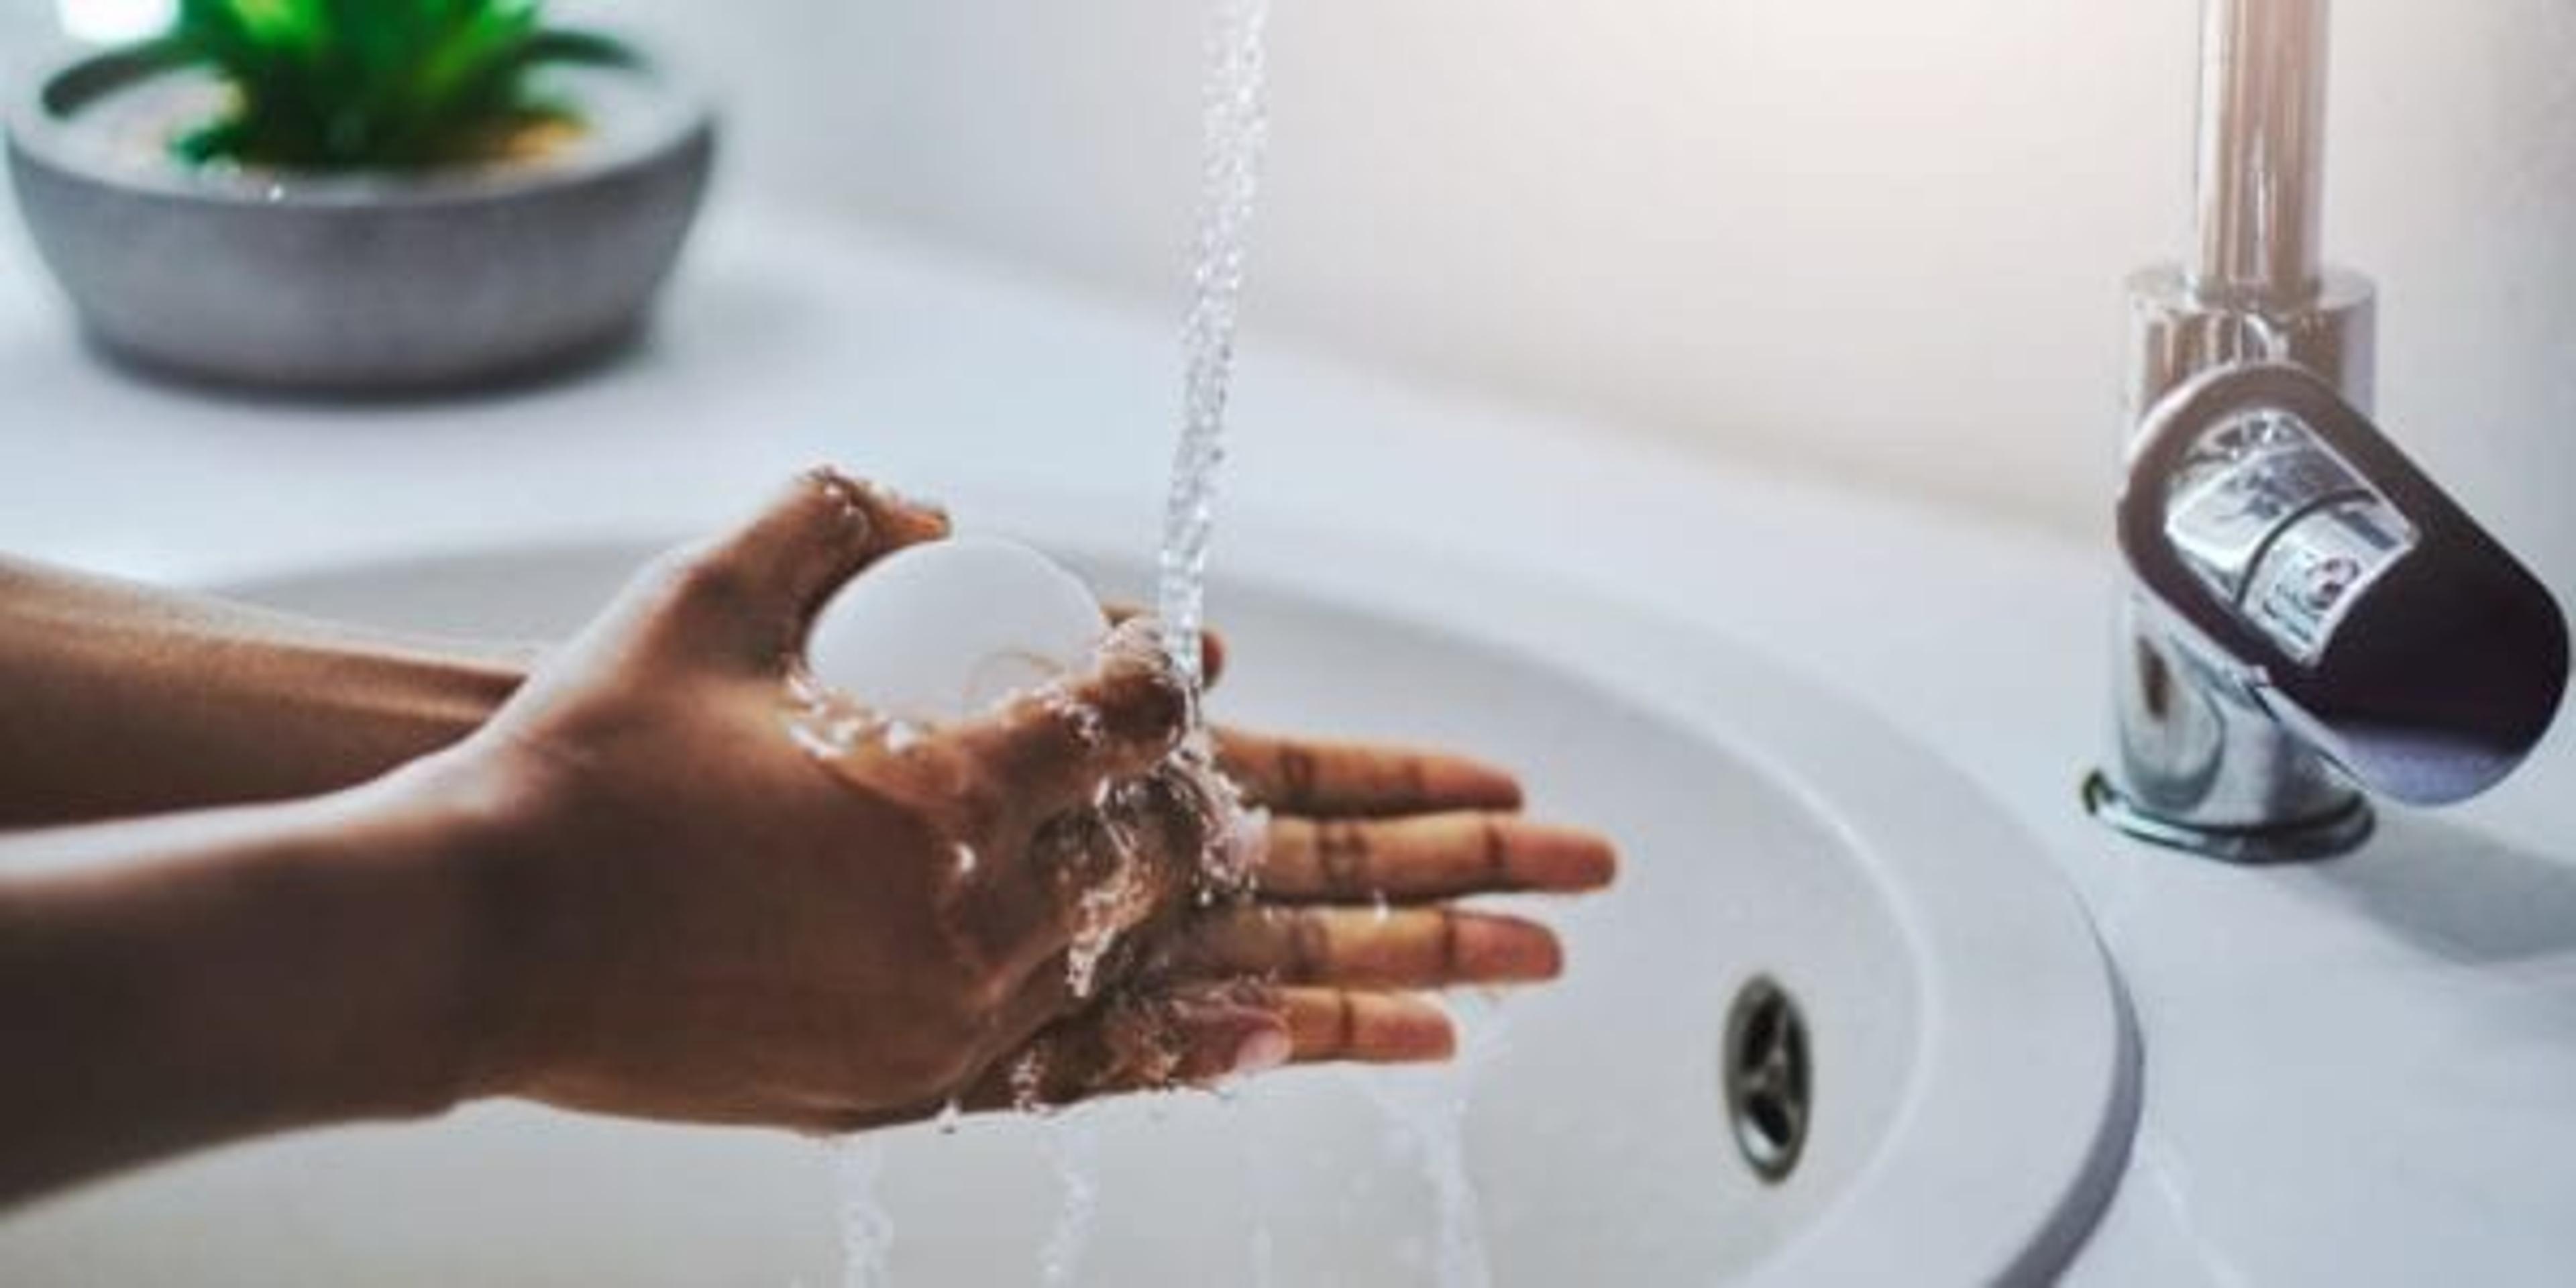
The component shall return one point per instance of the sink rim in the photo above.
(1993, 963)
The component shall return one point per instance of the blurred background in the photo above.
(1882, 239)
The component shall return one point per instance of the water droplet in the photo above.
(950, 1115)
(867, 1229)
(1073, 1144)
(1028, 1079)
(1426, 1110)
(1083, 719)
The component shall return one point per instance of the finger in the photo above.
(1358, 780)
(1058, 747)
(1211, 641)
(1327, 1024)
(1189, 1037)
(754, 589)
(1359, 947)
(1431, 856)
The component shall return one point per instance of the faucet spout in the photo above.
(2195, 761)
(2261, 174)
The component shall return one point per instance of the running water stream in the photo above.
(1235, 121)
(1425, 1108)
(1236, 125)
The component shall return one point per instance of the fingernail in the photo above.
(1262, 1050)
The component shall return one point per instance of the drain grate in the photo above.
(1768, 1078)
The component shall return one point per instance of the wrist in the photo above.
(466, 826)
(409, 851)
(206, 976)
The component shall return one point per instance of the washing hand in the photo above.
(695, 923)
(1347, 916)
(383, 878)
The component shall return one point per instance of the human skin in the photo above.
(383, 876)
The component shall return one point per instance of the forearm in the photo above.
(176, 982)
(124, 700)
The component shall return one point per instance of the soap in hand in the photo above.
(935, 632)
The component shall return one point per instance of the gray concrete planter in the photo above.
(357, 282)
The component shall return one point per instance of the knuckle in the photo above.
(1310, 946)
(1163, 701)
(1146, 698)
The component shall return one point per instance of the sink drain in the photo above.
(1768, 1079)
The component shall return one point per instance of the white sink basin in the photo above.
(1973, 1082)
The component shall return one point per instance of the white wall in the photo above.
(1881, 237)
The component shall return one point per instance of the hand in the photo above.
(690, 915)
(1350, 912)
(671, 877)
(697, 924)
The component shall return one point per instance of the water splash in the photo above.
(1236, 123)
(1073, 1145)
(1028, 1081)
(1261, 1193)
(833, 726)
(867, 1229)
(1110, 899)
(1427, 1110)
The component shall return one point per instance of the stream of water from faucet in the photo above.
(1236, 123)
(1427, 1118)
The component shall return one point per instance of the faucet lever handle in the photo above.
(2302, 553)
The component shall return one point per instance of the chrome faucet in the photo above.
(2308, 615)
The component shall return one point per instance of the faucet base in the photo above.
(2305, 841)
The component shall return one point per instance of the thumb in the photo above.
(754, 590)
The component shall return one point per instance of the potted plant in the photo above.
(360, 194)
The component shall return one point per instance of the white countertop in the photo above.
(2359, 1072)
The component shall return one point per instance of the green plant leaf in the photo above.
(337, 84)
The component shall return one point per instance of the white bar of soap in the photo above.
(939, 631)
